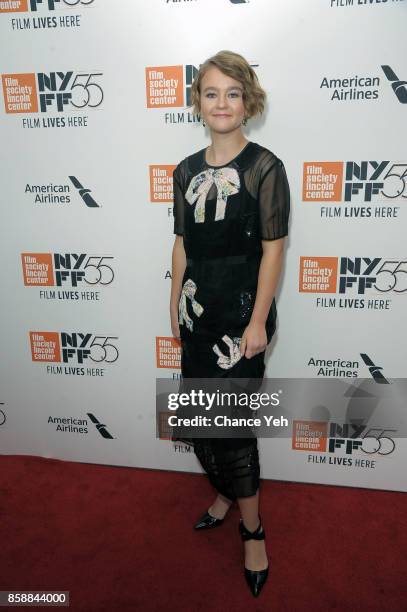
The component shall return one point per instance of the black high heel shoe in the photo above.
(255, 579)
(207, 521)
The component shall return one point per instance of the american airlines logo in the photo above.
(374, 370)
(399, 87)
(84, 193)
(101, 427)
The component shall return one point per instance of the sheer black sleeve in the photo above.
(179, 200)
(274, 199)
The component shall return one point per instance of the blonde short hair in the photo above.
(235, 66)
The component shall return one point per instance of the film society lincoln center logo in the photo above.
(168, 352)
(161, 183)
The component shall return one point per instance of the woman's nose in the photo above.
(222, 101)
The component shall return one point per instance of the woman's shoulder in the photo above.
(255, 162)
(265, 155)
(191, 163)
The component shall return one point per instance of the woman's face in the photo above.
(221, 101)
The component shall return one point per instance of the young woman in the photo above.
(231, 210)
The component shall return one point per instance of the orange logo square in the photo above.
(322, 182)
(20, 93)
(168, 352)
(45, 346)
(309, 435)
(161, 183)
(165, 86)
(14, 6)
(318, 274)
(164, 429)
(37, 269)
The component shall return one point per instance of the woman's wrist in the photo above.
(257, 322)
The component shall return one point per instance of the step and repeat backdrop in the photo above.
(95, 115)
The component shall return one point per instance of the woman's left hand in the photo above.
(254, 340)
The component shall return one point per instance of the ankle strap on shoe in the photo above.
(252, 535)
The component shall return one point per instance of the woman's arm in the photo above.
(178, 268)
(254, 339)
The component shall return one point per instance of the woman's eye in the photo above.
(232, 94)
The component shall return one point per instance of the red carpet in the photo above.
(121, 539)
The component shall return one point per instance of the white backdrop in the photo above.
(84, 131)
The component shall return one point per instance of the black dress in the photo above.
(223, 214)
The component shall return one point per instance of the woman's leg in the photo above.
(205, 451)
(220, 506)
(255, 550)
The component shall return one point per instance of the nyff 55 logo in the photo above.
(347, 274)
(364, 181)
(54, 91)
(64, 347)
(348, 437)
(57, 269)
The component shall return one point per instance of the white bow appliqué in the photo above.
(188, 291)
(227, 183)
(228, 361)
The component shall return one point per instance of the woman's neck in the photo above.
(225, 147)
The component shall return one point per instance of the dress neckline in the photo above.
(227, 163)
